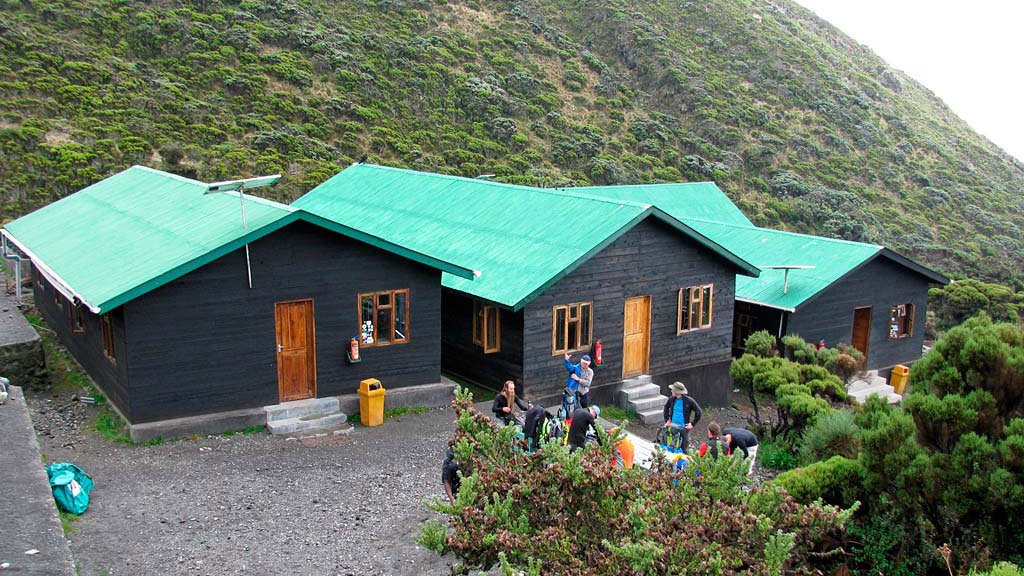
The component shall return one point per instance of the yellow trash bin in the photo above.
(371, 402)
(899, 377)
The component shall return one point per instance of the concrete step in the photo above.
(627, 394)
(301, 408)
(652, 416)
(306, 423)
(647, 403)
(894, 398)
(866, 383)
(861, 396)
(644, 379)
(339, 430)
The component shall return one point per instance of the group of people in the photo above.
(681, 414)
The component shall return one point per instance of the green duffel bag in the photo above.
(70, 485)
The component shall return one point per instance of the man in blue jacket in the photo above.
(681, 413)
(577, 384)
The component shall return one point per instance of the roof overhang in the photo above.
(52, 277)
(765, 304)
(916, 267)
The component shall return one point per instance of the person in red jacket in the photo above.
(715, 444)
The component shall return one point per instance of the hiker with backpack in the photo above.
(577, 384)
(583, 420)
(715, 444)
(533, 425)
(503, 402)
(681, 413)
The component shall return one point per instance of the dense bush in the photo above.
(833, 434)
(557, 513)
(951, 305)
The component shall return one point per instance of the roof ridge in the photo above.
(168, 175)
(553, 191)
(656, 184)
(787, 232)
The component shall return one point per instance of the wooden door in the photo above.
(636, 337)
(861, 329)
(296, 350)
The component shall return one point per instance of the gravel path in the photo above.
(252, 504)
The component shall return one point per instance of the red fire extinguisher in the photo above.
(353, 349)
(597, 352)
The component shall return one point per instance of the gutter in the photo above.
(7, 253)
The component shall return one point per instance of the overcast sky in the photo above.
(970, 54)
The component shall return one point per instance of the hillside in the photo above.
(806, 129)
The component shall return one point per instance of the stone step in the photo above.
(894, 398)
(652, 416)
(306, 423)
(860, 396)
(866, 383)
(627, 394)
(339, 430)
(301, 408)
(647, 403)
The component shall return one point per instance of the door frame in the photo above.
(311, 348)
(867, 339)
(647, 337)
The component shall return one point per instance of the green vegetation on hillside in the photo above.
(803, 127)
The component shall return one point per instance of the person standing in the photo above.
(502, 406)
(579, 379)
(742, 439)
(450, 476)
(533, 425)
(681, 413)
(583, 420)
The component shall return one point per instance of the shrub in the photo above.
(836, 480)
(761, 343)
(798, 350)
(833, 434)
(558, 513)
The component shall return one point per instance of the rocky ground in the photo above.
(251, 504)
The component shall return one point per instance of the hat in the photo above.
(586, 358)
(678, 387)
(597, 411)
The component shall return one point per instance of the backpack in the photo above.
(553, 430)
(70, 486)
(716, 446)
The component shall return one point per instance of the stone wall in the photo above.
(24, 364)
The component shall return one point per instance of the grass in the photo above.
(249, 431)
(616, 414)
(775, 457)
(67, 522)
(63, 369)
(391, 413)
(111, 427)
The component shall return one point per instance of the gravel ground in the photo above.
(252, 504)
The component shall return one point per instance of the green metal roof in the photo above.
(521, 239)
(832, 259)
(141, 228)
(700, 200)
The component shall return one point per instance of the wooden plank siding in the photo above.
(464, 359)
(206, 342)
(87, 346)
(652, 260)
(880, 284)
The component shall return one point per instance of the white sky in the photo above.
(970, 54)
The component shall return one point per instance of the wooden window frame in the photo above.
(76, 318)
(107, 329)
(569, 319)
(908, 313)
(376, 306)
(482, 337)
(695, 294)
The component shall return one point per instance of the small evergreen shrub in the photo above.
(834, 434)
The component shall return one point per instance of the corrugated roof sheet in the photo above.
(521, 239)
(700, 200)
(141, 228)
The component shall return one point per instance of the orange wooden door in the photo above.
(296, 350)
(636, 336)
(861, 329)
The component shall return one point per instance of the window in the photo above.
(901, 321)
(108, 338)
(76, 316)
(487, 327)
(384, 318)
(695, 308)
(571, 327)
(58, 299)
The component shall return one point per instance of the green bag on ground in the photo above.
(70, 485)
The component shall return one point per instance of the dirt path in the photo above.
(252, 504)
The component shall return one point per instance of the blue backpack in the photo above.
(70, 485)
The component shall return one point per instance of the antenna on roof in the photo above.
(787, 268)
(240, 186)
(484, 177)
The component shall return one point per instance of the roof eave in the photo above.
(747, 268)
(765, 304)
(928, 273)
(55, 279)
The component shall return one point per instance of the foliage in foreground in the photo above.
(558, 513)
(947, 468)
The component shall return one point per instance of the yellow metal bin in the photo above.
(371, 402)
(899, 377)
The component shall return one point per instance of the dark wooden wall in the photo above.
(87, 347)
(206, 342)
(464, 359)
(764, 318)
(880, 284)
(651, 259)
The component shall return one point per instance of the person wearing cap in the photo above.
(681, 413)
(578, 381)
(583, 420)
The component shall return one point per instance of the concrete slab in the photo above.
(30, 520)
(14, 329)
(204, 424)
